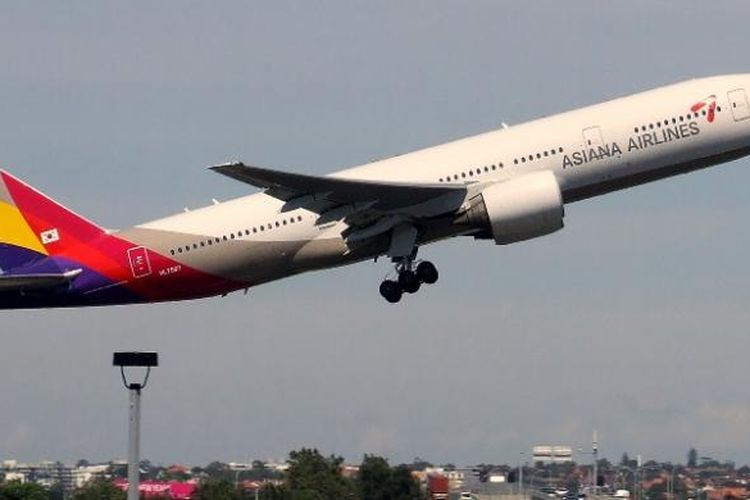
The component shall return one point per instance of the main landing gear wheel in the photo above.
(391, 291)
(427, 272)
(409, 279)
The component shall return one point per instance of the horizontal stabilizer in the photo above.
(378, 195)
(36, 282)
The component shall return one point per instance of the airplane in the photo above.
(508, 185)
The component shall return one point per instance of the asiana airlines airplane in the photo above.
(506, 186)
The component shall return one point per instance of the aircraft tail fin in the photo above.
(33, 226)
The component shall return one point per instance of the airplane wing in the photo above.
(36, 282)
(376, 195)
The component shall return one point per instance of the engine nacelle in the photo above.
(518, 209)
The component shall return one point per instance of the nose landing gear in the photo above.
(409, 279)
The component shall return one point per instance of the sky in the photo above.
(631, 321)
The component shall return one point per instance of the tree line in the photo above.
(310, 476)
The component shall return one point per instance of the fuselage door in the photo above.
(139, 262)
(592, 136)
(739, 104)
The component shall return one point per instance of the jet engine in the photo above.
(518, 209)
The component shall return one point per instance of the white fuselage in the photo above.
(591, 151)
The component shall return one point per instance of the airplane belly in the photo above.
(319, 253)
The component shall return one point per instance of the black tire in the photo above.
(391, 291)
(408, 281)
(427, 272)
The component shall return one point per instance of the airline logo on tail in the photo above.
(709, 101)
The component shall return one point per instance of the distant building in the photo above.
(350, 471)
(496, 477)
(552, 454)
(236, 466)
(50, 474)
(437, 487)
(727, 492)
(276, 466)
(174, 490)
(45, 473)
(84, 474)
(15, 476)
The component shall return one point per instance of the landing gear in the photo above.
(391, 291)
(409, 279)
(427, 272)
(410, 273)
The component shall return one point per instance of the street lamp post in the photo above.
(595, 453)
(134, 360)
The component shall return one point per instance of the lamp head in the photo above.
(142, 359)
(134, 359)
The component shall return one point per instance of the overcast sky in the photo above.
(633, 320)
